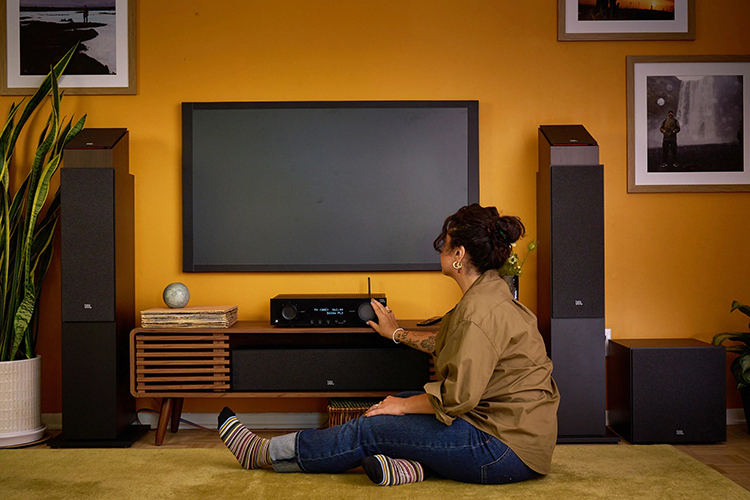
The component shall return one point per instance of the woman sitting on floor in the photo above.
(491, 416)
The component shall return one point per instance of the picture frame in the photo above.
(591, 20)
(105, 63)
(703, 145)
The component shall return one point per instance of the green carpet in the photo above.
(578, 472)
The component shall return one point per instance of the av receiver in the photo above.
(320, 310)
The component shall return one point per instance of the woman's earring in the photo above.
(457, 266)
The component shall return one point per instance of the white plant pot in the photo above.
(21, 402)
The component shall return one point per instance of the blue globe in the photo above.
(176, 295)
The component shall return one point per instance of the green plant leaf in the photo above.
(5, 140)
(720, 338)
(26, 230)
(39, 95)
(740, 368)
(742, 308)
(42, 250)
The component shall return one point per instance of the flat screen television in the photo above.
(323, 186)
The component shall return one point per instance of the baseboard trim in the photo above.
(270, 421)
(735, 416)
(52, 420)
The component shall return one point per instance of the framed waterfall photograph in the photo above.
(35, 34)
(625, 20)
(686, 117)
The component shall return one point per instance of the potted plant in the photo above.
(513, 267)
(26, 236)
(740, 367)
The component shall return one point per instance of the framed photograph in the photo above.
(37, 33)
(686, 117)
(625, 20)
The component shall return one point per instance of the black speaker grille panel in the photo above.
(676, 395)
(87, 233)
(329, 370)
(577, 350)
(667, 391)
(90, 404)
(577, 234)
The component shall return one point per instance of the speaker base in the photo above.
(130, 435)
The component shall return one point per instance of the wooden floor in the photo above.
(732, 458)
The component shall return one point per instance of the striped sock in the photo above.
(386, 471)
(249, 449)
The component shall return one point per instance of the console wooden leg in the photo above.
(166, 411)
(176, 414)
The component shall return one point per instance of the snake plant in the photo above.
(26, 232)
(740, 367)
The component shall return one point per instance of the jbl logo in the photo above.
(579, 302)
(329, 382)
(88, 306)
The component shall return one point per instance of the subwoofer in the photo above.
(667, 391)
(98, 293)
(570, 219)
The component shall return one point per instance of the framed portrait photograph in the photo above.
(686, 123)
(37, 33)
(625, 20)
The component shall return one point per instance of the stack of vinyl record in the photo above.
(189, 317)
(341, 410)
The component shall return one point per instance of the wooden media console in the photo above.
(177, 363)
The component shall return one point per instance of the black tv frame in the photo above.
(189, 264)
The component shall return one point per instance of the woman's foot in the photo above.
(386, 471)
(250, 449)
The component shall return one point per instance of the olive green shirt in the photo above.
(493, 371)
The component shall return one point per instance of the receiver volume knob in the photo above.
(288, 312)
(366, 312)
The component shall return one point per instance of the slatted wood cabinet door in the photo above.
(179, 361)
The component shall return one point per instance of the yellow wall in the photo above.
(674, 262)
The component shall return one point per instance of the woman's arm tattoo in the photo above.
(422, 341)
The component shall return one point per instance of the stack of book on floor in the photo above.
(189, 317)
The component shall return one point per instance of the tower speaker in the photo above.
(570, 219)
(667, 391)
(98, 293)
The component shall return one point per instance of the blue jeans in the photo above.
(458, 451)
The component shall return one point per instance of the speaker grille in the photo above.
(329, 370)
(577, 233)
(87, 234)
(667, 391)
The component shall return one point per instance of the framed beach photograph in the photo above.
(686, 123)
(625, 20)
(37, 33)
